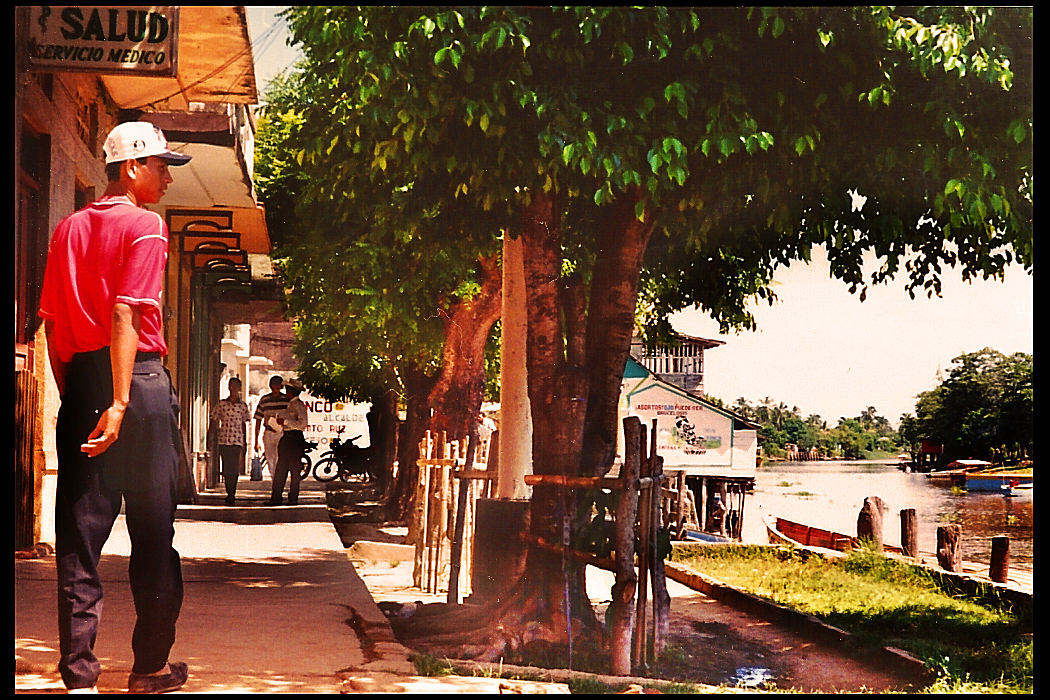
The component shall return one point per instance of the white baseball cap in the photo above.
(138, 140)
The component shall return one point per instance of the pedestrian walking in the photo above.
(267, 430)
(117, 431)
(230, 419)
(292, 446)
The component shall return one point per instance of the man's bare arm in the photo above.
(58, 367)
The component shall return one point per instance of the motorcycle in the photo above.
(346, 461)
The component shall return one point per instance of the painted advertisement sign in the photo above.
(327, 418)
(105, 39)
(688, 432)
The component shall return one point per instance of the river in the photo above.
(829, 495)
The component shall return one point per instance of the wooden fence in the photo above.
(644, 505)
(443, 523)
(649, 500)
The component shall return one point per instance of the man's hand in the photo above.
(124, 338)
(105, 433)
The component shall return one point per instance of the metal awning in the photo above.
(215, 65)
(218, 177)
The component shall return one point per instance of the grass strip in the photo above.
(969, 642)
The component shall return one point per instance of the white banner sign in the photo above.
(113, 39)
(688, 433)
(330, 419)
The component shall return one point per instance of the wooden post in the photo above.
(869, 522)
(645, 510)
(909, 532)
(1000, 568)
(680, 487)
(661, 598)
(461, 510)
(420, 514)
(948, 553)
(626, 578)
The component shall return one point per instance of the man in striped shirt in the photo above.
(267, 431)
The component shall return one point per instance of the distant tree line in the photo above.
(983, 409)
(781, 427)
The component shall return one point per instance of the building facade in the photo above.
(680, 363)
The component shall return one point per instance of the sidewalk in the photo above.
(272, 604)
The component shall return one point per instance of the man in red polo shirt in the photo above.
(117, 431)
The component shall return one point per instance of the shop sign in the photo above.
(688, 433)
(120, 40)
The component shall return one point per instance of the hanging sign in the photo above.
(122, 40)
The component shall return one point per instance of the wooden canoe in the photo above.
(787, 532)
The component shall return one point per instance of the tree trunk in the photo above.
(558, 393)
(416, 385)
(610, 325)
(577, 350)
(460, 385)
(382, 432)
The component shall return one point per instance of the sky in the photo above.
(269, 40)
(819, 348)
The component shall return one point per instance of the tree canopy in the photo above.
(983, 409)
(751, 134)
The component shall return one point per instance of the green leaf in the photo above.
(778, 27)
(655, 160)
(1018, 132)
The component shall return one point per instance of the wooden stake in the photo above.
(626, 579)
(948, 552)
(909, 532)
(461, 508)
(1000, 568)
(645, 512)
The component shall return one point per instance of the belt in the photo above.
(139, 356)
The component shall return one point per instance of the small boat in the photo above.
(786, 532)
(1016, 488)
(708, 537)
(994, 480)
(957, 472)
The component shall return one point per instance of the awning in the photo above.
(218, 177)
(215, 65)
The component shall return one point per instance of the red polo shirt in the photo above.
(110, 251)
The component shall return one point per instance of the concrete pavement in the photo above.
(272, 604)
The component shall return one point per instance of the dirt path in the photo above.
(718, 643)
(710, 642)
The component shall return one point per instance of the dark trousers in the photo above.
(289, 461)
(140, 469)
(232, 458)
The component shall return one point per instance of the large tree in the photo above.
(983, 409)
(706, 147)
(388, 309)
